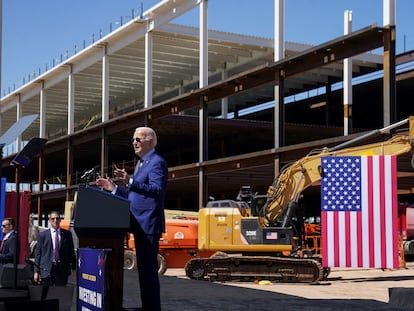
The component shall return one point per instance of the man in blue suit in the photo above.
(55, 256)
(146, 191)
(8, 244)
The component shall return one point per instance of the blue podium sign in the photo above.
(91, 279)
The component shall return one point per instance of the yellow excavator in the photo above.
(266, 246)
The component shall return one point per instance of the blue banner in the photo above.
(91, 282)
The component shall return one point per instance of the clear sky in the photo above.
(35, 34)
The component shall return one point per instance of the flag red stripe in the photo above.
(336, 241)
(370, 182)
(348, 248)
(360, 255)
(394, 187)
(324, 238)
(382, 213)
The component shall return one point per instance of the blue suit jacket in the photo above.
(8, 249)
(44, 255)
(147, 193)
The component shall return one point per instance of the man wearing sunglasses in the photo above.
(145, 188)
(55, 254)
(8, 244)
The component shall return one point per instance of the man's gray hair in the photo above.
(149, 133)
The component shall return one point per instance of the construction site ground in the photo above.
(345, 289)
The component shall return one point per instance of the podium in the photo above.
(101, 221)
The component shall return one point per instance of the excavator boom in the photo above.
(306, 172)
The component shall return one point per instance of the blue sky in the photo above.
(37, 33)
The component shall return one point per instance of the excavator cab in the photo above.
(254, 201)
(243, 207)
(258, 201)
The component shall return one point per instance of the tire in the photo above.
(130, 260)
(195, 269)
(162, 265)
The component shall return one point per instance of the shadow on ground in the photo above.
(185, 294)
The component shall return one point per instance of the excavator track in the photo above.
(246, 268)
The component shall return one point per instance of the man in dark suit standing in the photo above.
(8, 244)
(55, 254)
(146, 191)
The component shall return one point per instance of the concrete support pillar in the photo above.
(203, 58)
(203, 111)
(71, 104)
(105, 87)
(225, 100)
(42, 113)
(347, 79)
(19, 114)
(279, 53)
(148, 69)
(389, 84)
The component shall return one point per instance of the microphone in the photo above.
(88, 173)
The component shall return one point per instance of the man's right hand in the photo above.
(122, 175)
(37, 278)
(105, 183)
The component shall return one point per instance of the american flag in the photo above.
(271, 235)
(359, 211)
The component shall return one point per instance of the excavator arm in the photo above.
(283, 194)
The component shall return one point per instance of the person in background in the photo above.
(55, 254)
(34, 233)
(8, 244)
(146, 190)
